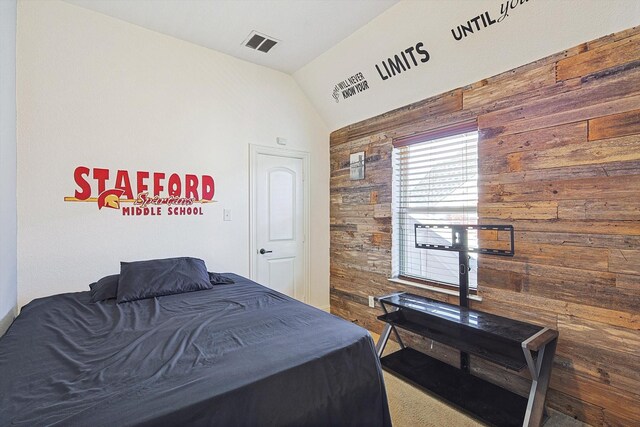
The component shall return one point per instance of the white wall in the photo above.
(99, 92)
(534, 29)
(7, 163)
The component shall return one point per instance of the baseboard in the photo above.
(326, 308)
(7, 320)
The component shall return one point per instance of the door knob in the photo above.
(262, 251)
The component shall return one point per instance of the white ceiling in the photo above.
(305, 28)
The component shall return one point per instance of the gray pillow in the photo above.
(158, 277)
(105, 288)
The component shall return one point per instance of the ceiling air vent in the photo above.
(261, 42)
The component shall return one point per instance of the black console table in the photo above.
(506, 342)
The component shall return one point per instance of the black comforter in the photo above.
(236, 355)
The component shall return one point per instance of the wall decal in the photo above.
(484, 20)
(157, 193)
(350, 86)
(403, 61)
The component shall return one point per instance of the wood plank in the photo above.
(357, 313)
(523, 69)
(363, 283)
(365, 262)
(497, 375)
(612, 418)
(506, 85)
(585, 258)
(588, 413)
(374, 177)
(526, 210)
(348, 296)
(567, 116)
(624, 319)
(516, 75)
(628, 281)
(619, 83)
(355, 188)
(493, 152)
(343, 227)
(599, 58)
(338, 137)
(556, 275)
(596, 393)
(354, 210)
(537, 315)
(359, 198)
(616, 369)
(500, 279)
(600, 210)
(624, 261)
(359, 143)
(584, 240)
(445, 103)
(608, 227)
(615, 340)
(583, 293)
(586, 287)
(382, 210)
(606, 96)
(612, 38)
(600, 351)
(587, 153)
(516, 99)
(622, 124)
(607, 188)
(432, 348)
(547, 308)
(556, 136)
(357, 294)
(428, 123)
(561, 173)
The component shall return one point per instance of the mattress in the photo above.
(236, 355)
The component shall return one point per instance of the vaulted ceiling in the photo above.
(304, 28)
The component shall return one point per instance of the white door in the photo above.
(279, 241)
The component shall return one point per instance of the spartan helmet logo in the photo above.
(336, 93)
(110, 198)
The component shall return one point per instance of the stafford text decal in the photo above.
(156, 193)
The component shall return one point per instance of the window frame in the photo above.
(432, 134)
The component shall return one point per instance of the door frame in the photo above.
(254, 151)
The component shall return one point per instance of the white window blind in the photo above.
(435, 182)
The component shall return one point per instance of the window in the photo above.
(435, 182)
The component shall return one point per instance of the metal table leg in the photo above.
(382, 341)
(386, 332)
(540, 375)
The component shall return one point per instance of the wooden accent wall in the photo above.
(560, 160)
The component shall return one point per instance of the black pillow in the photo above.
(105, 288)
(158, 277)
(219, 279)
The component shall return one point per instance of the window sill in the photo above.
(433, 288)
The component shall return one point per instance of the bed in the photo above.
(237, 354)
